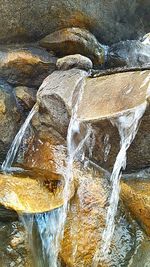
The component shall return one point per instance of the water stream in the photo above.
(11, 154)
(127, 125)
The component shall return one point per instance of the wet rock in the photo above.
(146, 39)
(136, 197)
(86, 222)
(74, 61)
(25, 65)
(130, 53)
(109, 21)
(141, 257)
(55, 98)
(20, 194)
(110, 97)
(9, 117)
(26, 97)
(7, 215)
(74, 41)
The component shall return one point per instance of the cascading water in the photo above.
(127, 126)
(17, 141)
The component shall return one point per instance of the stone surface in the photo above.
(110, 97)
(70, 41)
(25, 65)
(26, 195)
(146, 39)
(74, 61)
(24, 20)
(136, 197)
(26, 97)
(130, 53)
(9, 117)
(86, 221)
(141, 257)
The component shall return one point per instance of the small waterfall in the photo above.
(127, 126)
(11, 154)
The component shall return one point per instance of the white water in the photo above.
(127, 126)
(11, 154)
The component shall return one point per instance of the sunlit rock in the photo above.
(26, 97)
(130, 53)
(9, 117)
(146, 39)
(25, 65)
(70, 41)
(136, 197)
(74, 61)
(26, 195)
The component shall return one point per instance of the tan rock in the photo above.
(26, 195)
(70, 41)
(136, 197)
(25, 65)
(26, 96)
(74, 61)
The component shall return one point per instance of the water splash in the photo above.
(127, 125)
(11, 154)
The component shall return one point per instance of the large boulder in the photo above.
(9, 117)
(24, 20)
(25, 65)
(110, 96)
(70, 41)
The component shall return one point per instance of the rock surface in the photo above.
(110, 97)
(136, 197)
(130, 53)
(26, 195)
(9, 117)
(70, 41)
(24, 20)
(26, 97)
(25, 65)
(74, 61)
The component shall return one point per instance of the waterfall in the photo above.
(127, 125)
(11, 154)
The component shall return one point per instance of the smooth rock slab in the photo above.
(26, 195)
(74, 61)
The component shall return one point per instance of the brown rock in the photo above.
(26, 195)
(25, 65)
(70, 41)
(26, 96)
(74, 61)
(136, 197)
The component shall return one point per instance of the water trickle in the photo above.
(11, 154)
(127, 125)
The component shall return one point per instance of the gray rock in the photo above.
(110, 21)
(25, 65)
(74, 61)
(130, 53)
(9, 117)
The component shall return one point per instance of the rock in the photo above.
(55, 98)
(130, 53)
(25, 65)
(141, 257)
(110, 97)
(109, 21)
(136, 197)
(146, 39)
(9, 117)
(74, 41)
(13, 195)
(26, 97)
(7, 215)
(86, 222)
(74, 61)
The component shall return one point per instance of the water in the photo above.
(127, 126)
(17, 141)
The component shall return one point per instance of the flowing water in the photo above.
(127, 126)
(17, 141)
